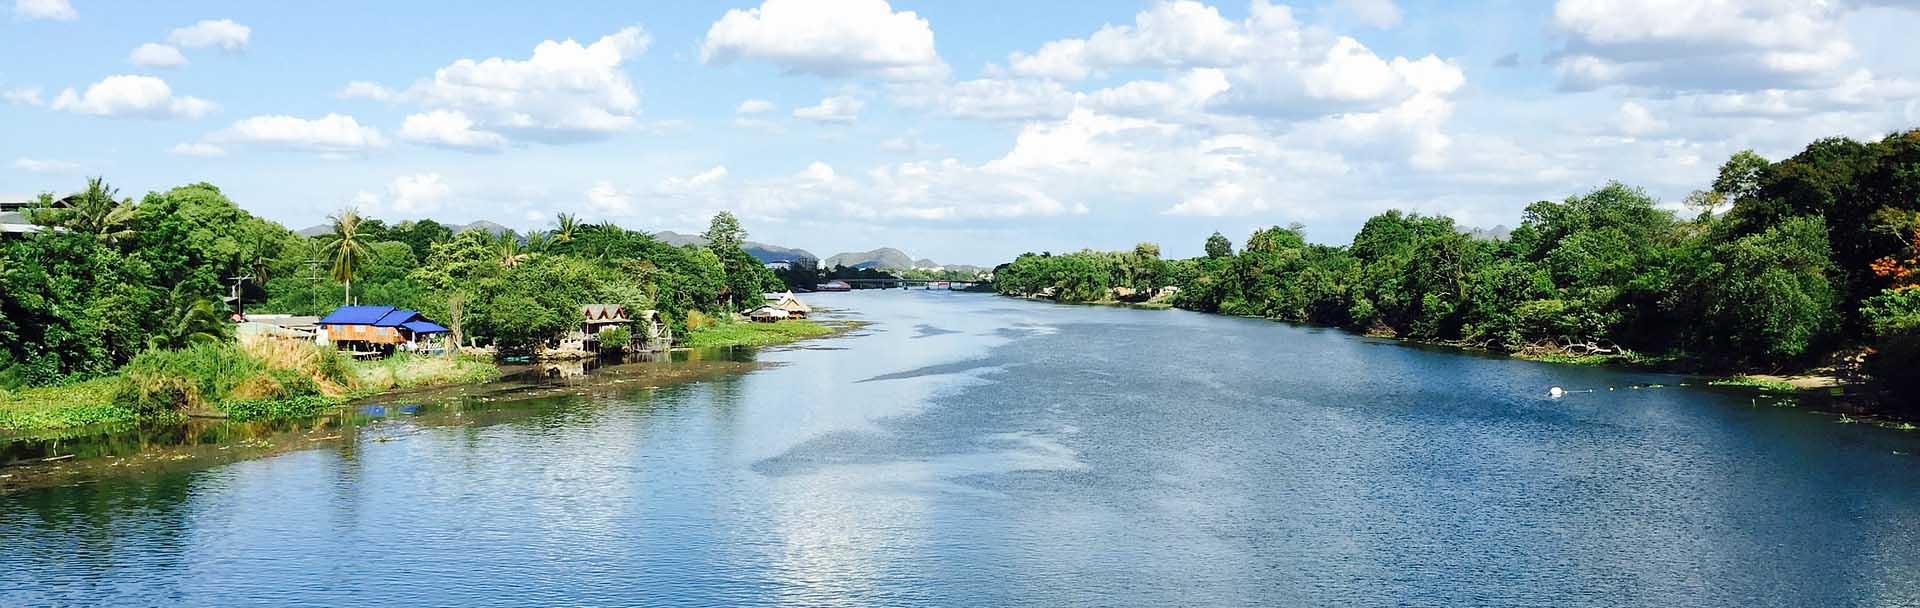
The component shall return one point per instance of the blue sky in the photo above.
(963, 131)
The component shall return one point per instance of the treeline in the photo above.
(1780, 264)
(112, 277)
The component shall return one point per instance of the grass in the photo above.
(69, 405)
(1759, 383)
(256, 380)
(754, 334)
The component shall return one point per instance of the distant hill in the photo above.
(760, 251)
(884, 258)
(490, 227)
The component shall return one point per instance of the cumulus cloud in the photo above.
(407, 196)
(130, 96)
(846, 38)
(449, 129)
(155, 55)
(564, 92)
(841, 109)
(35, 165)
(221, 33)
(34, 10)
(197, 149)
(333, 134)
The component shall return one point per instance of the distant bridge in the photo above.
(911, 283)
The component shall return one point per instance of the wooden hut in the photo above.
(795, 308)
(766, 314)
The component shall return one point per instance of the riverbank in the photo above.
(247, 384)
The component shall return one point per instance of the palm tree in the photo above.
(188, 321)
(565, 225)
(94, 212)
(346, 250)
(508, 251)
(542, 241)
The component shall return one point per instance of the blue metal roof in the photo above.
(397, 317)
(356, 315)
(424, 327)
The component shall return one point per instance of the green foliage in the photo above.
(742, 333)
(65, 406)
(614, 338)
(1893, 317)
(303, 406)
(193, 378)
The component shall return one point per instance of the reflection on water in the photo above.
(971, 450)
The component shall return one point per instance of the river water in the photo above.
(970, 450)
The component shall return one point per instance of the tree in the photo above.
(724, 234)
(94, 212)
(188, 320)
(345, 250)
(565, 226)
(506, 249)
(1218, 246)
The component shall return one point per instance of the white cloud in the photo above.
(222, 33)
(407, 196)
(361, 89)
(837, 109)
(154, 55)
(32, 10)
(333, 134)
(34, 165)
(197, 149)
(844, 38)
(564, 92)
(1376, 13)
(677, 185)
(1702, 45)
(1636, 119)
(608, 199)
(130, 96)
(1021, 99)
(754, 106)
(23, 96)
(1169, 35)
(449, 129)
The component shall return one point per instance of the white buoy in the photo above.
(1556, 392)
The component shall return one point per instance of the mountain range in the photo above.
(884, 258)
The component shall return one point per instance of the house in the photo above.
(766, 314)
(787, 302)
(378, 328)
(779, 265)
(833, 285)
(648, 329)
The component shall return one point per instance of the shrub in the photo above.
(192, 378)
(614, 338)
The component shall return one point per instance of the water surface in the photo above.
(968, 450)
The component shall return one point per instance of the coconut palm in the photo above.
(345, 250)
(94, 211)
(541, 241)
(565, 226)
(508, 251)
(188, 321)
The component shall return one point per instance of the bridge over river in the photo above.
(912, 283)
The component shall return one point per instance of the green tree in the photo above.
(95, 212)
(346, 251)
(1218, 246)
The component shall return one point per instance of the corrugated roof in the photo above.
(357, 315)
(397, 317)
(424, 327)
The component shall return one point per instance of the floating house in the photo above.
(766, 314)
(786, 301)
(647, 329)
(376, 328)
(833, 285)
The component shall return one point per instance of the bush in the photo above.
(1894, 317)
(192, 378)
(303, 406)
(698, 320)
(615, 338)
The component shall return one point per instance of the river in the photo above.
(971, 450)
